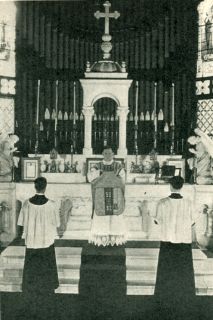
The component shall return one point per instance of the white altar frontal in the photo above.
(139, 213)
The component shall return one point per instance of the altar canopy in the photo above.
(54, 42)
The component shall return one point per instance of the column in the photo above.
(88, 113)
(122, 113)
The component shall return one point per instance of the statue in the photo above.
(209, 31)
(7, 161)
(202, 162)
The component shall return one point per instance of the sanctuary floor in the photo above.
(104, 283)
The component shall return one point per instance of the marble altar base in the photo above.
(140, 223)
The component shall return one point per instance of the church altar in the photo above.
(141, 201)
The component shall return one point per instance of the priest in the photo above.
(108, 184)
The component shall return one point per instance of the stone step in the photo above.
(141, 264)
(153, 252)
(69, 273)
(139, 287)
(141, 276)
(72, 271)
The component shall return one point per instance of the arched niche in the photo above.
(105, 128)
(95, 89)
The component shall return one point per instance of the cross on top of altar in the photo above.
(107, 15)
(106, 67)
(102, 80)
(106, 45)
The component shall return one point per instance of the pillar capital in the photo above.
(88, 111)
(122, 111)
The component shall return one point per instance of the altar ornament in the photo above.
(71, 116)
(56, 105)
(74, 103)
(7, 160)
(43, 166)
(155, 116)
(30, 168)
(60, 115)
(47, 117)
(37, 103)
(123, 66)
(106, 45)
(4, 216)
(142, 116)
(88, 67)
(205, 241)
(61, 166)
(201, 164)
(166, 127)
(172, 151)
(56, 115)
(136, 122)
(72, 168)
(4, 44)
(147, 116)
(160, 115)
(37, 118)
(66, 124)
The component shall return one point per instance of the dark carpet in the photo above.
(102, 293)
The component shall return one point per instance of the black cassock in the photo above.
(40, 278)
(175, 283)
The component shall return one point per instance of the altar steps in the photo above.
(78, 228)
(141, 268)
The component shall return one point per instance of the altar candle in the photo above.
(37, 107)
(166, 106)
(56, 105)
(173, 105)
(155, 107)
(136, 104)
(74, 106)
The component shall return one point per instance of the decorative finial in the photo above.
(88, 69)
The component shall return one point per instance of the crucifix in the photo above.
(107, 15)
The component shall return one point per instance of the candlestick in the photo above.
(155, 116)
(37, 107)
(136, 104)
(173, 105)
(155, 107)
(71, 152)
(74, 106)
(56, 105)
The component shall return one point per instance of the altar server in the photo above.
(40, 219)
(175, 282)
(107, 229)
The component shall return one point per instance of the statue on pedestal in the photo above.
(209, 31)
(7, 161)
(202, 162)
